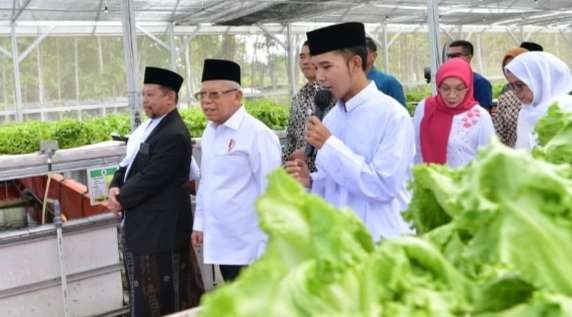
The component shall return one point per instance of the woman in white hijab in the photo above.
(539, 79)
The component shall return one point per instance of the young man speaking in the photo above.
(365, 144)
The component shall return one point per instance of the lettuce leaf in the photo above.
(554, 132)
(513, 212)
(310, 261)
(497, 241)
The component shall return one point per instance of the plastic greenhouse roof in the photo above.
(208, 13)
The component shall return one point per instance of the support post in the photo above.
(291, 60)
(189, 72)
(479, 52)
(40, 75)
(385, 49)
(58, 71)
(434, 42)
(16, 69)
(76, 62)
(172, 48)
(130, 53)
(100, 55)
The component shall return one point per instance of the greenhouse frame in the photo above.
(282, 20)
(55, 176)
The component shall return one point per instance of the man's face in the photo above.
(457, 51)
(334, 73)
(157, 101)
(219, 100)
(306, 65)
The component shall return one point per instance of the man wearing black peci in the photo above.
(365, 143)
(149, 191)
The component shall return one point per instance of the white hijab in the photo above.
(549, 79)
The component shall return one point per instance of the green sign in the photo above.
(98, 180)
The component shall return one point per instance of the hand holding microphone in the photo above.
(316, 132)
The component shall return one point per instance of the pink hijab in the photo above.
(436, 123)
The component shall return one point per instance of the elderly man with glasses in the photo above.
(238, 152)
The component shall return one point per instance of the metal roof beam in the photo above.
(394, 38)
(343, 15)
(511, 34)
(187, 41)
(16, 15)
(510, 5)
(113, 28)
(203, 9)
(173, 13)
(153, 37)
(451, 37)
(98, 14)
(5, 52)
(272, 36)
(468, 37)
(34, 45)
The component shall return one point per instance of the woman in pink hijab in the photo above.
(451, 126)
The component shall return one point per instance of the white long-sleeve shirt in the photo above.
(470, 131)
(194, 170)
(236, 158)
(366, 162)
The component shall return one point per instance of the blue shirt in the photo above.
(483, 91)
(387, 84)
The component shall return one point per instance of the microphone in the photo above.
(322, 101)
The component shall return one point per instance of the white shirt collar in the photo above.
(360, 98)
(160, 118)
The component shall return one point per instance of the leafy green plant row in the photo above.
(25, 137)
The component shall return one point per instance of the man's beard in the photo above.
(150, 114)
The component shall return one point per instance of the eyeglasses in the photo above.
(455, 55)
(457, 91)
(213, 95)
(517, 86)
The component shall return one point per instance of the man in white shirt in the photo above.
(366, 142)
(238, 151)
